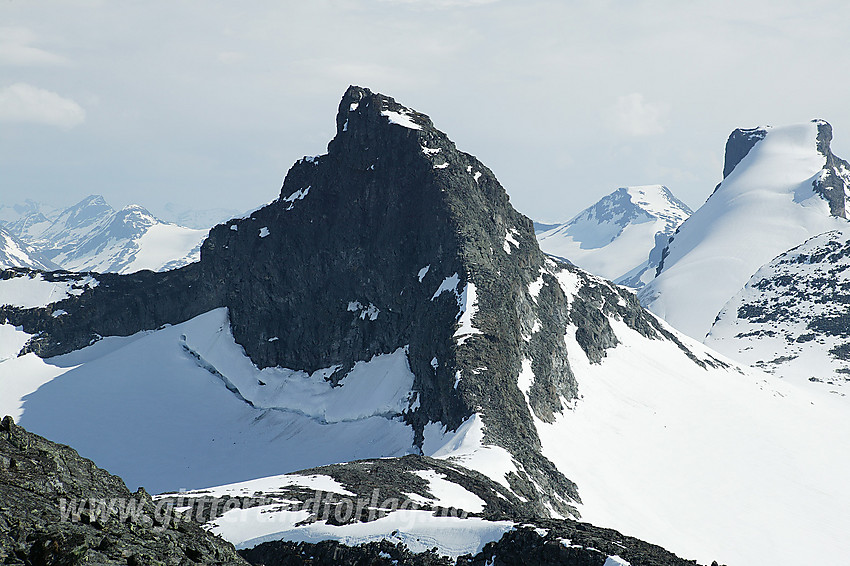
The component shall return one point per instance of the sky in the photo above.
(206, 103)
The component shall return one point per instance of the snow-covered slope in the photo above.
(786, 188)
(793, 316)
(712, 465)
(92, 236)
(621, 236)
(183, 407)
(15, 253)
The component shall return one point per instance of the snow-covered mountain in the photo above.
(15, 253)
(123, 241)
(621, 237)
(392, 303)
(92, 236)
(783, 185)
(73, 225)
(793, 316)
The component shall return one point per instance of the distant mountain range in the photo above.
(92, 236)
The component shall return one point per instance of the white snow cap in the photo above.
(614, 238)
(765, 206)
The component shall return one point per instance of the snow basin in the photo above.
(193, 377)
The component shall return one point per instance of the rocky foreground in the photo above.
(58, 508)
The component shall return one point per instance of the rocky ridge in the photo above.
(792, 317)
(543, 543)
(406, 480)
(57, 508)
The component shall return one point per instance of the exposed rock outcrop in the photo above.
(57, 508)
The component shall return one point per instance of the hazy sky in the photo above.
(207, 103)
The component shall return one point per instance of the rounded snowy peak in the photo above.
(137, 211)
(783, 185)
(131, 221)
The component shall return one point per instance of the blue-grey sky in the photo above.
(206, 103)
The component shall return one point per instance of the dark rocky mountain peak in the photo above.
(392, 240)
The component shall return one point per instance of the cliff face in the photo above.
(833, 184)
(739, 144)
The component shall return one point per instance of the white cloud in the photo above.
(634, 116)
(21, 102)
(16, 49)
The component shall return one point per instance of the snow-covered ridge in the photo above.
(418, 506)
(767, 205)
(621, 236)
